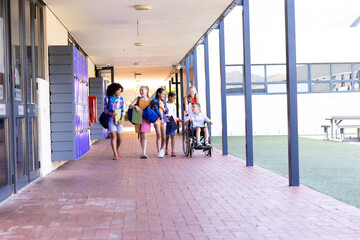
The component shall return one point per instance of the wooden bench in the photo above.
(326, 131)
(343, 127)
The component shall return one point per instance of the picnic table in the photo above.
(337, 123)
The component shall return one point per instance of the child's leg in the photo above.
(206, 133)
(167, 143)
(163, 135)
(198, 130)
(172, 143)
(143, 141)
(158, 136)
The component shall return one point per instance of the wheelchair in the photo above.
(189, 141)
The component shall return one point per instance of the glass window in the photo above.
(2, 53)
(356, 69)
(32, 144)
(342, 86)
(275, 73)
(39, 47)
(17, 61)
(258, 73)
(356, 86)
(302, 87)
(302, 72)
(320, 87)
(341, 71)
(320, 72)
(276, 88)
(29, 55)
(235, 89)
(258, 88)
(234, 74)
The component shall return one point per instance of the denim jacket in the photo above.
(155, 107)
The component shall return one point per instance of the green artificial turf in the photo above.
(332, 168)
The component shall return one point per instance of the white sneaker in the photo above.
(160, 155)
(162, 152)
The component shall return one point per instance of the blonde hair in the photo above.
(196, 95)
(147, 89)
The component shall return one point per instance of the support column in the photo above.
(170, 84)
(187, 65)
(177, 98)
(247, 86)
(291, 80)
(223, 90)
(207, 77)
(195, 69)
(182, 97)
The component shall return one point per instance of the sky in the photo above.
(323, 32)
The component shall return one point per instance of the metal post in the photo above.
(177, 97)
(182, 97)
(247, 86)
(207, 77)
(170, 84)
(293, 137)
(195, 69)
(187, 65)
(223, 89)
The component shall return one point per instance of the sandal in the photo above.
(173, 154)
(143, 157)
(199, 145)
(116, 158)
(166, 152)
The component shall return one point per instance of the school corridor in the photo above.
(96, 197)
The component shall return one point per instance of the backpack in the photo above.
(149, 114)
(104, 117)
(130, 111)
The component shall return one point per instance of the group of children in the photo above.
(165, 110)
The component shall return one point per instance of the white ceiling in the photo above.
(107, 31)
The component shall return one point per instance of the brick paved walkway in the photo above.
(171, 198)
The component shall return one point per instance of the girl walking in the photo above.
(169, 131)
(160, 107)
(144, 128)
(114, 101)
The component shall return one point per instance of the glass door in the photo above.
(18, 54)
(5, 166)
(32, 27)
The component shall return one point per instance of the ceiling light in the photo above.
(142, 7)
(140, 44)
(177, 66)
(138, 63)
(137, 76)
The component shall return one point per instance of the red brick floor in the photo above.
(171, 198)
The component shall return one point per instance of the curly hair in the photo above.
(112, 88)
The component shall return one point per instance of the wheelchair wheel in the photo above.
(185, 143)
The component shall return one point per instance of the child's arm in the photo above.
(156, 108)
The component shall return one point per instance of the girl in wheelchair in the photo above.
(198, 120)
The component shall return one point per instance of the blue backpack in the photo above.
(149, 114)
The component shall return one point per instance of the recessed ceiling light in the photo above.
(138, 63)
(140, 44)
(142, 7)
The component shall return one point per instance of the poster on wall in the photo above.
(2, 54)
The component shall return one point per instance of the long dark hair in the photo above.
(159, 91)
(112, 88)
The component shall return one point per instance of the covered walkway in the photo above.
(171, 198)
